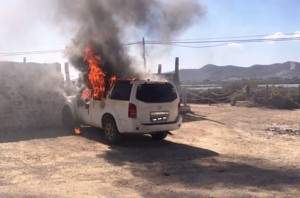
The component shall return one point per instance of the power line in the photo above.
(223, 41)
(196, 47)
(232, 37)
(29, 52)
(215, 42)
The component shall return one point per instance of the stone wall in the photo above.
(31, 95)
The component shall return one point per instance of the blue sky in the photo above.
(229, 18)
(22, 29)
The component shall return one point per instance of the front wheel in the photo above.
(160, 135)
(111, 133)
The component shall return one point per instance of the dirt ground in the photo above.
(220, 151)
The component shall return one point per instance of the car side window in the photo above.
(121, 91)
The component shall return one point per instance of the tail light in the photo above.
(132, 111)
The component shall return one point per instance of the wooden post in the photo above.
(159, 69)
(267, 91)
(299, 92)
(247, 91)
(176, 75)
(184, 96)
(208, 96)
(144, 54)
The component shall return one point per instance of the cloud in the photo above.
(296, 34)
(236, 46)
(277, 35)
(280, 35)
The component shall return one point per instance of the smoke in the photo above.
(28, 92)
(105, 25)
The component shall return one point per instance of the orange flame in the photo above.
(86, 93)
(112, 81)
(96, 75)
(77, 131)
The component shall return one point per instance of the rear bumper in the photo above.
(134, 126)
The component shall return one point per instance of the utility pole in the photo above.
(144, 53)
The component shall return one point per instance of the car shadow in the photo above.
(92, 133)
(192, 117)
(168, 163)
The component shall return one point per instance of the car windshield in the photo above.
(156, 92)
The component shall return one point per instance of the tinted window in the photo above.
(121, 91)
(155, 93)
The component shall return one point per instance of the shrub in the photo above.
(282, 100)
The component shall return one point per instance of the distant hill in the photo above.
(230, 72)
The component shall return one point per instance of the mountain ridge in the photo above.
(212, 72)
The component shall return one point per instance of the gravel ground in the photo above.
(220, 151)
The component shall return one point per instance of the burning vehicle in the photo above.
(120, 106)
(113, 99)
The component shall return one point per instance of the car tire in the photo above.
(68, 120)
(160, 135)
(111, 133)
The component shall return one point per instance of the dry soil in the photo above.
(220, 151)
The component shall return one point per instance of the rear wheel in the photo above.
(68, 120)
(111, 133)
(160, 135)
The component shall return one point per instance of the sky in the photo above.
(24, 28)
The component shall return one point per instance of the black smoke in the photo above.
(105, 25)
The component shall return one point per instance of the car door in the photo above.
(83, 108)
(115, 104)
(157, 103)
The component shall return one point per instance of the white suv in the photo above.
(140, 107)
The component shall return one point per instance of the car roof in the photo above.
(141, 81)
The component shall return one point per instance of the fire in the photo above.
(112, 81)
(96, 75)
(86, 93)
(77, 131)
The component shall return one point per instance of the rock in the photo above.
(245, 104)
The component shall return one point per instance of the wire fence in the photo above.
(226, 95)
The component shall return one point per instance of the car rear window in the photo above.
(121, 91)
(156, 92)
